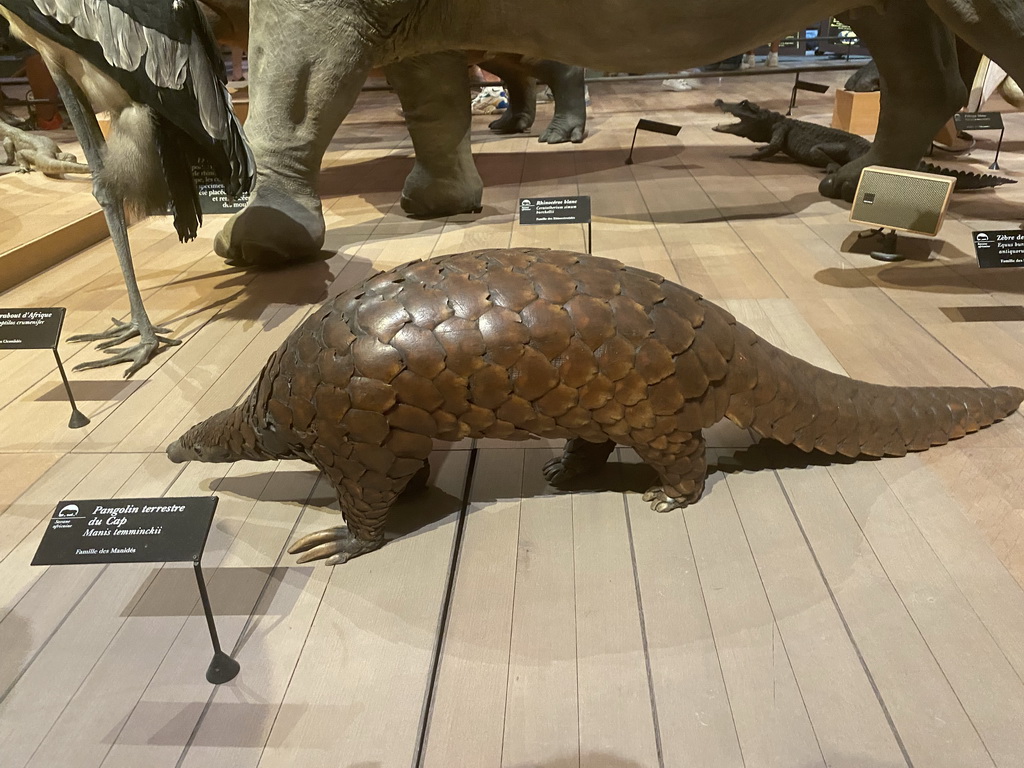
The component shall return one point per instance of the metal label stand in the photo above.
(222, 668)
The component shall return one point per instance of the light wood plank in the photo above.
(689, 690)
(769, 715)
(616, 716)
(467, 713)
(541, 706)
(362, 680)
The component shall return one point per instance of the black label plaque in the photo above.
(654, 126)
(212, 196)
(978, 121)
(127, 531)
(554, 210)
(37, 328)
(805, 85)
(1002, 248)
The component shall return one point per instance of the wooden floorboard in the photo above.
(804, 613)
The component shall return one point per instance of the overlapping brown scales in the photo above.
(796, 402)
(519, 342)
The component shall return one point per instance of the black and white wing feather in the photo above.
(162, 53)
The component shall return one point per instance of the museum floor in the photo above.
(854, 615)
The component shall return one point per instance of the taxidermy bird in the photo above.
(154, 66)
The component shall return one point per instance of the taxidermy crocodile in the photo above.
(523, 342)
(821, 146)
(30, 151)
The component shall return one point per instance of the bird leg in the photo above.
(88, 131)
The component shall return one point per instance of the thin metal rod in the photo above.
(999, 145)
(792, 96)
(205, 597)
(64, 377)
(78, 419)
(590, 237)
(629, 157)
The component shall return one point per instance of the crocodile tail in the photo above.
(794, 402)
(51, 166)
(966, 180)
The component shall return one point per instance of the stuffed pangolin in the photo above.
(524, 342)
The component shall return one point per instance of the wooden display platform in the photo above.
(44, 222)
(849, 615)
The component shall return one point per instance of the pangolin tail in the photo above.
(795, 402)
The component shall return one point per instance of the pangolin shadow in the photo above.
(423, 509)
(765, 454)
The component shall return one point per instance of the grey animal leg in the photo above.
(140, 326)
(8, 147)
(434, 91)
(921, 87)
(579, 457)
(522, 96)
(682, 468)
(309, 75)
(570, 93)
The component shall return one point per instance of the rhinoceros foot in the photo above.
(426, 196)
(841, 184)
(512, 121)
(274, 228)
(563, 128)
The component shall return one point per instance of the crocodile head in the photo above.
(754, 123)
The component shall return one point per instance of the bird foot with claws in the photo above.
(332, 545)
(150, 342)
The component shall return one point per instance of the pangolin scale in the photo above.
(524, 342)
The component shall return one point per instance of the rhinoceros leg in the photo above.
(569, 91)
(301, 98)
(682, 467)
(921, 87)
(522, 94)
(434, 91)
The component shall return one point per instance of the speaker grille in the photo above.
(905, 200)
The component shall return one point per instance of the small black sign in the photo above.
(554, 210)
(127, 531)
(1003, 248)
(804, 85)
(30, 328)
(978, 121)
(643, 124)
(213, 198)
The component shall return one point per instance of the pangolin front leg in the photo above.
(682, 468)
(368, 479)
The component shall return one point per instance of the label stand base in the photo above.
(78, 419)
(223, 668)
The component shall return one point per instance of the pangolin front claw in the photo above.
(332, 545)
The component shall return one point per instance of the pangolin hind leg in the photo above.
(682, 468)
(579, 457)
(368, 479)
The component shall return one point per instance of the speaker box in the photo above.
(908, 201)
